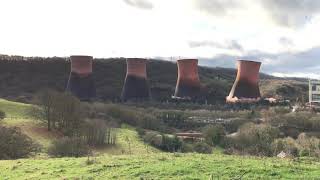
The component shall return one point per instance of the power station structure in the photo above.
(136, 85)
(81, 83)
(246, 86)
(188, 83)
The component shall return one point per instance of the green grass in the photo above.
(160, 166)
(141, 161)
(17, 114)
(127, 137)
(14, 109)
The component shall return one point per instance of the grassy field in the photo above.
(140, 161)
(160, 166)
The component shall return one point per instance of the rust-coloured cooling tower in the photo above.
(136, 86)
(81, 83)
(246, 85)
(188, 83)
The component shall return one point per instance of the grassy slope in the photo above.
(17, 116)
(144, 163)
(160, 166)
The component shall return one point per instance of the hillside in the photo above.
(144, 162)
(21, 79)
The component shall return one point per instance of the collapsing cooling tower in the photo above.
(188, 83)
(246, 85)
(136, 86)
(81, 83)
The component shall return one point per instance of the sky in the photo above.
(282, 34)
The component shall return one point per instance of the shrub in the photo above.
(291, 124)
(14, 144)
(186, 147)
(149, 122)
(153, 138)
(173, 118)
(287, 145)
(308, 146)
(97, 133)
(254, 139)
(201, 147)
(122, 114)
(2, 115)
(141, 132)
(60, 111)
(164, 142)
(69, 147)
(233, 124)
(171, 143)
(214, 134)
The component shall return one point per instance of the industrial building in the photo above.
(314, 91)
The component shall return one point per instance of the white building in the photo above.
(314, 91)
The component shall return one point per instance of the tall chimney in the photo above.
(136, 86)
(246, 85)
(188, 83)
(81, 83)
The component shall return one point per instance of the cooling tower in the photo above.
(246, 85)
(81, 83)
(136, 86)
(188, 83)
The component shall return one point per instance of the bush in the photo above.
(141, 132)
(60, 111)
(303, 146)
(164, 142)
(186, 147)
(173, 118)
(14, 144)
(97, 133)
(153, 138)
(69, 147)
(124, 114)
(201, 147)
(150, 122)
(2, 115)
(287, 145)
(254, 139)
(299, 121)
(308, 146)
(232, 125)
(214, 134)
(171, 143)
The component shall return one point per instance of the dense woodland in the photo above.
(22, 77)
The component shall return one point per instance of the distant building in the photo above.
(314, 91)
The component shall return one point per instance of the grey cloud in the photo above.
(286, 13)
(291, 13)
(143, 4)
(233, 44)
(287, 63)
(216, 7)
